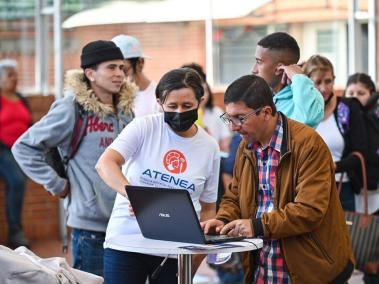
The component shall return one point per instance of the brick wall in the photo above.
(40, 214)
(169, 45)
(218, 98)
(40, 210)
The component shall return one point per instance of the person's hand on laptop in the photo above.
(238, 228)
(212, 226)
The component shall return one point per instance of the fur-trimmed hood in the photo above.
(74, 81)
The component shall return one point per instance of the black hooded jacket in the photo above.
(371, 115)
(351, 124)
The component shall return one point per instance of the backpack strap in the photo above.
(81, 120)
(79, 130)
(23, 100)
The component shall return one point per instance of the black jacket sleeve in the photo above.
(355, 140)
(355, 137)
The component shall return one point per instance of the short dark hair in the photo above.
(282, 42)
(362, 78)
(200, 71)
(177, 79)
(251, 90)
(133, 61)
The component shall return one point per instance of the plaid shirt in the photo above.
(271, 266)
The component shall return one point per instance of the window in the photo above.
(325, 40)
(234, 49)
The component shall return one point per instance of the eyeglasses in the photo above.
(237, 120)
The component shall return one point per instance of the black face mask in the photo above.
(180, 121)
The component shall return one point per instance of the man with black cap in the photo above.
(99, 89)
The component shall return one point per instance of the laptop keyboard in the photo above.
(217, 237)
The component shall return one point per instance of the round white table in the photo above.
(137, 243)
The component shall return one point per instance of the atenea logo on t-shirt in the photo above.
(175, 162)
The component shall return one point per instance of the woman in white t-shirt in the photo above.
(158, 150)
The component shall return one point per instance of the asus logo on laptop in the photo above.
(164, 215)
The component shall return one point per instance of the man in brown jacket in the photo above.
(283, 190)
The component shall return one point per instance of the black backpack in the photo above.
(53, 156)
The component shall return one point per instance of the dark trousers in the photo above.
(87, 250)
(129, 267)
(15, 181)
(347, 197)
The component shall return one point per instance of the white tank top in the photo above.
(329, 131)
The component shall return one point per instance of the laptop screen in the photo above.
(165, 214)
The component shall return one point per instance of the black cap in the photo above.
(99, 51)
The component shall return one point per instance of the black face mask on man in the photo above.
(180, 121)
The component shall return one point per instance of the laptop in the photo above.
(169, 215)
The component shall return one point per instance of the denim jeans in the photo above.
(227, 277)
(88, 251)
(15, 181)
(347, 197)
(129, 267)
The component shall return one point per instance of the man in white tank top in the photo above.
(145, 101)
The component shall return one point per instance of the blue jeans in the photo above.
(231, 272)
(87, 250)
(347, 197)
(229, 277)
(15, 181)
(129, 267)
